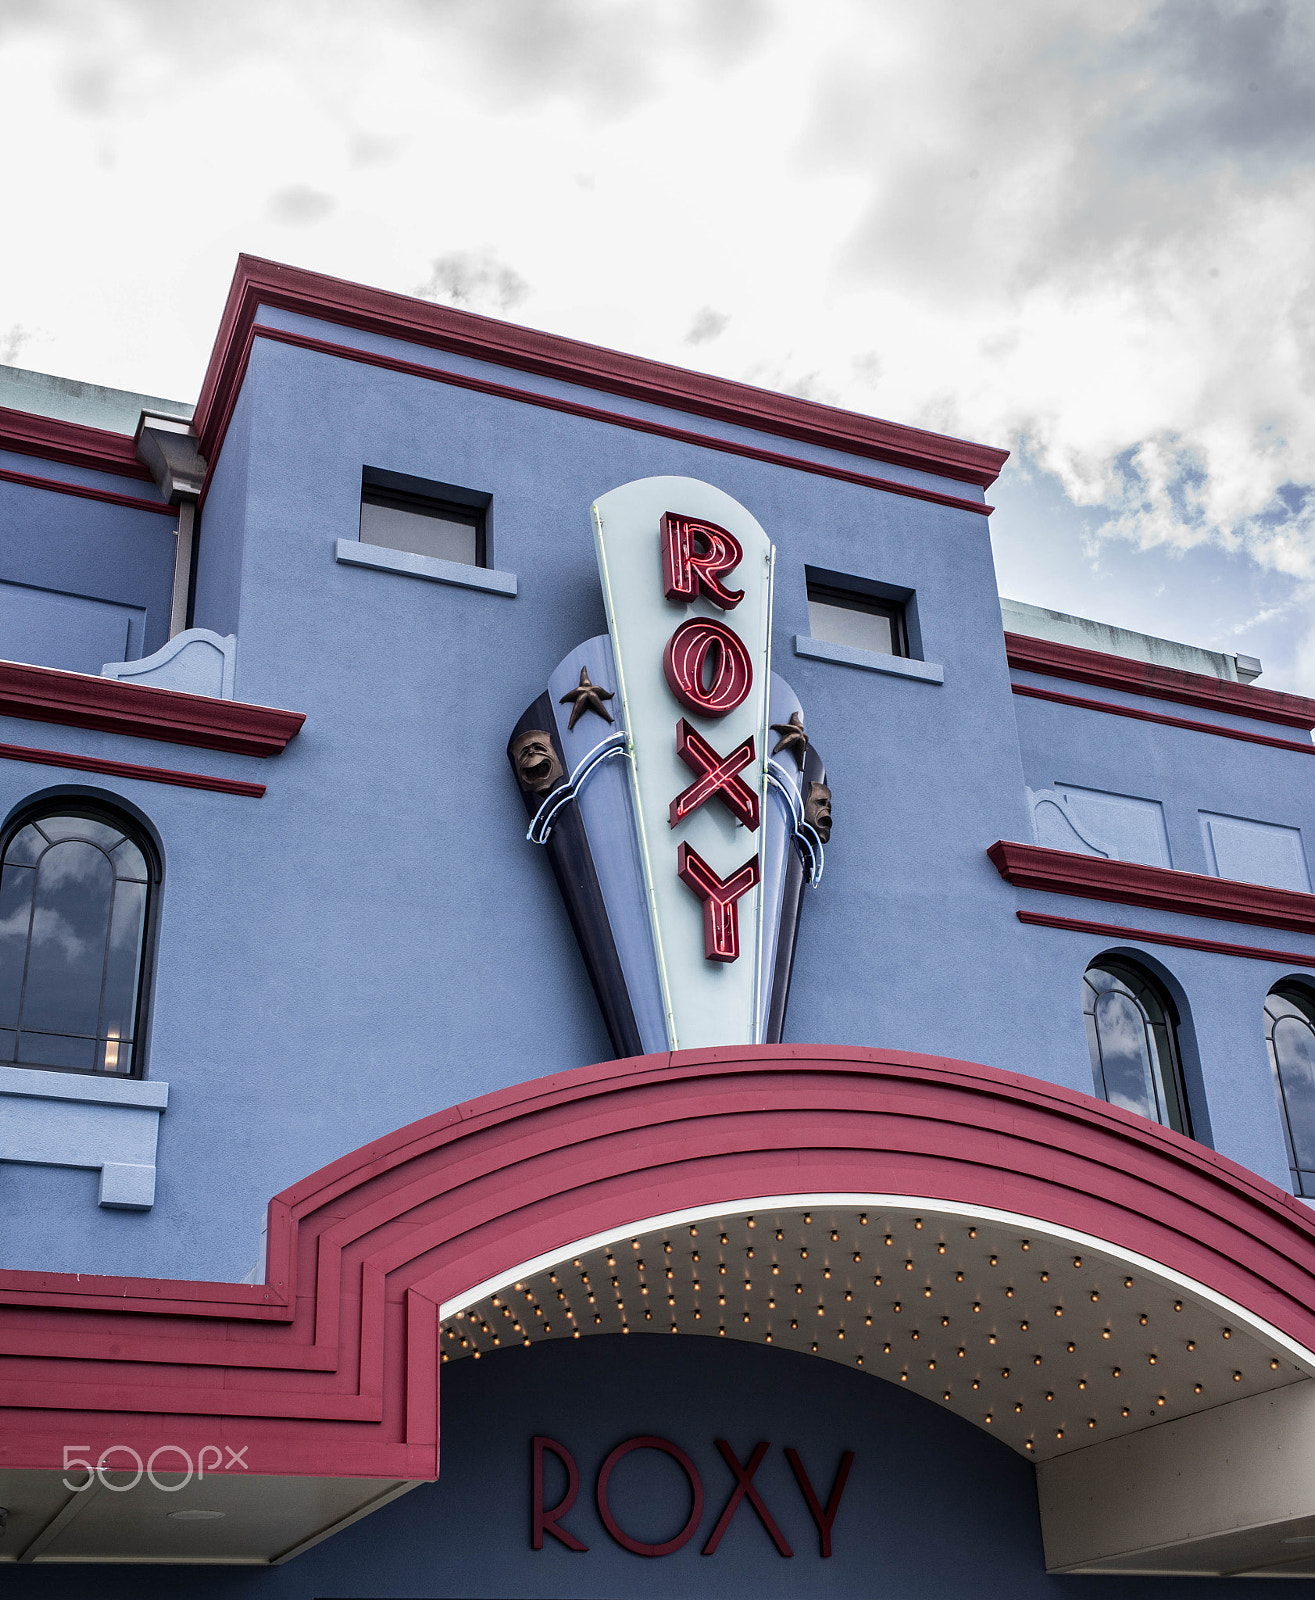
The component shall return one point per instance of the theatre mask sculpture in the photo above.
(534, 761)
(670, 776)
(817, 810)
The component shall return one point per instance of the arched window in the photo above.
(1290, 1034)
(1132, 1036)
(76, 891)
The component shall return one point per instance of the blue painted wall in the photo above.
(374, 940)
(79, 576)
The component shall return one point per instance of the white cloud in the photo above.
(1084, 229)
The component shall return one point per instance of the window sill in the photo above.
(846, 655)
(72, 1119)
(352, 553)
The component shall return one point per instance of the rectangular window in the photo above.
(424, 519)
(856, 618)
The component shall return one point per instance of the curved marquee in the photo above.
(336, 1359)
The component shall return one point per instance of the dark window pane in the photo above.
(56, 1050)
(862, 629)
(70, 928)
(1294, 1054)
(1133, 1044)
(124, 964)
(129, 862)
(101, 833)
(450, 538)
(25, 848)
(16, 885)
(1124, 1058)
(72, 937)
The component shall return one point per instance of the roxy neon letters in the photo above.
(709, 670)
(717, 776)
(707, 667)
(687, 573)
(721, 922)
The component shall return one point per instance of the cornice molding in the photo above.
(43, 694)
(1194, 894)
(1178, 941)
(70, 442)
(1029, 691)
(130, 769)
(84, 491)
(611, 419)
(257, 282)
(1054, 660)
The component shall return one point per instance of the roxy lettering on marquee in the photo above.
(547, 1520)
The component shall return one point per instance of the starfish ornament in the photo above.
(587, 697)
(793, 738)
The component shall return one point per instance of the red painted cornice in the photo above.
(42, 694)
(82, 491)
(1195, 894)
(332, 1365)
(1177, 941)
(1159, 683)
(71, 443)
(1114, 708)
(504, 344)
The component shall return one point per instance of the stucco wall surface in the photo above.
(375, 940)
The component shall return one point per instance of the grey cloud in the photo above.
(1234, 79)
(474, 279)
(299, 204)
(369, 149)
(1067, 146)
(12, 342)
(707, 326)
(611, 55)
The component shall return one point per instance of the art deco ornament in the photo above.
(586, 696)
(680, 847)
(534, 761)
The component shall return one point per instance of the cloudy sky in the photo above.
(1081, 229)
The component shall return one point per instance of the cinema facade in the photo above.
(584, 1014)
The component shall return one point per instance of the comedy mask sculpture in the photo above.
(537, 768)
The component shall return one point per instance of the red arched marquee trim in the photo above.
(331, 1366)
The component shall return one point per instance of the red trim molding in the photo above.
(129, 769)
(70, 442)
(1112, 930)
(1159, 683)
(43, 694)
(312, 294)
(1029, 691)
(87, 492)
(1195, 894)
(332, 1365)
(615, 419)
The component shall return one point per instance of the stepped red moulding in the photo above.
(76, 699)
(332, 1365)
(1053, 660)
(1196, 894)
(259, 283)
(71, 443)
